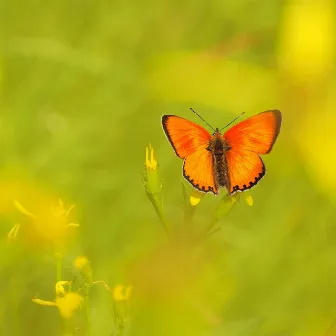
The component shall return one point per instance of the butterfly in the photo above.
(229, 160)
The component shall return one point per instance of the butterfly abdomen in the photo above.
(218, 148)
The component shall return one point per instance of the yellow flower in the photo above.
(49, 224)
(67, 303)
(150, 163)
(121, 293)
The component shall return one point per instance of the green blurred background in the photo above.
(84, 84)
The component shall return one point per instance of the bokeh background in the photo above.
(84, 84)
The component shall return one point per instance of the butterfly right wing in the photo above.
(247, 139)
(190, 142)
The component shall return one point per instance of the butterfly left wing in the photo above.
(198, 170)
(185, 136)
(190, 142)
(248, 139)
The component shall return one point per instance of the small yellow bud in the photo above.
(59, 287)
(150, 162)
(121, 293)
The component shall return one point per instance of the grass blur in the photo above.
(84, 85)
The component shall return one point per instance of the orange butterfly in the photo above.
(230, 160)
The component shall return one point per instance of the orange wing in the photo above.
(245, 170)
(256, 134)
(190, 141)
(198, 170)
(247, 139)
(185, 136)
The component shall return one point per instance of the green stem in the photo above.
(159, 211)
(59, 266)
(87, 291)
(223, 210)
(189, 210)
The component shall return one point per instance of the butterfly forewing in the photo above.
(257, 134)
(185, 136)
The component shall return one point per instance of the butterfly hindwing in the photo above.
(185, 136)
(245, 170)
(246, 140)
(199, 171)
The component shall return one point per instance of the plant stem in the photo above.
(87, 291)
(159, 210)
(59, 266)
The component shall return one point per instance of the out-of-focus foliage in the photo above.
(84, 85)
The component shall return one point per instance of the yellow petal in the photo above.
(69, 210)
(195, 197)
(73, 224)
(43, 302)
(59, 287)
(23, 210)
(249, 200)
(13, 232)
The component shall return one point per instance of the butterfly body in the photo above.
(218, 148)
(229, 160)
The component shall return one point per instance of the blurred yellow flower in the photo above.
(49, 223)
(83, 265)
(67, 303)
(150, 163)
(81, 262)
(307, 44)
(121, 293)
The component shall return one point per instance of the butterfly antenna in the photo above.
(233, 120)
(202, 119)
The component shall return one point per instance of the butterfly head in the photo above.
(217, 132)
